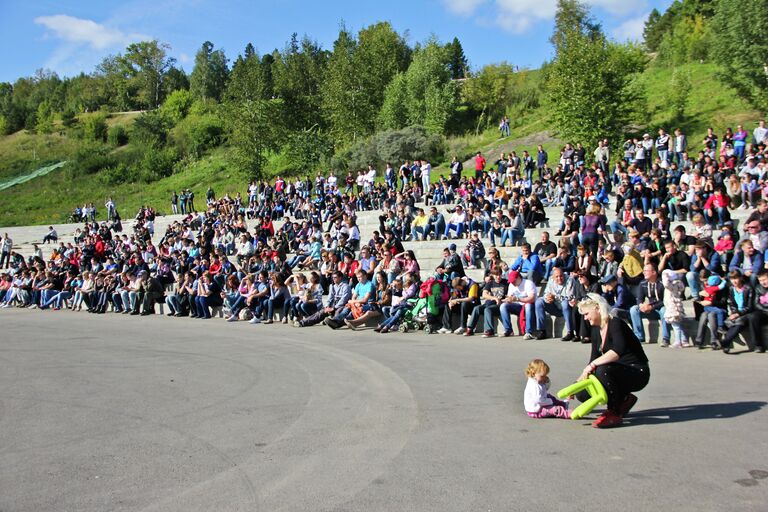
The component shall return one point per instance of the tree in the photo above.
(573, 16)
(44, 118)
(457, 61)
(298, 72)
(146, 64)
(653, 30)
(588, 83)
(679, 90)
(209, 76)
(253, 119)
(342, 94)
(740, 47)
(394, 113)
(489, 90)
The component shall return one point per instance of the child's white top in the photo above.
(535, 395)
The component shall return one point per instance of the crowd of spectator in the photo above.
(291, 249)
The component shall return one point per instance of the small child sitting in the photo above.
(673, 306)
(538, 402)
(708, 297)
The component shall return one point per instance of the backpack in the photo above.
(427, 290)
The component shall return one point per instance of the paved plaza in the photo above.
(115, 413)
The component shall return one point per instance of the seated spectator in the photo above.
(521, 298)
(650, 304)
(555, 301)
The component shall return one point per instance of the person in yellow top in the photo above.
(418, 224)
(631, 267)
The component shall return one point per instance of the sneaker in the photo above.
(677, 344)
(333, 324)
(460, 330)
(626, 405)
(254, 320)
(528, 336)
(468, 332)
(443, 330)
(664, 344)
(297, 324)
(541, 335)
(489, 334)
(268, 321)
(568, 337)
(350, 325)
(285, 320)
(507, 334)
(607, 420)
(232, 318)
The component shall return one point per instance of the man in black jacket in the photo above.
(650, 304)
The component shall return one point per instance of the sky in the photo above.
(70, 37)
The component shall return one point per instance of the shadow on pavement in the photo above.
(692, 413)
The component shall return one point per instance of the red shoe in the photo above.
(627, 405)
(607, 420)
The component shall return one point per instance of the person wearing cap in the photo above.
(618, 296)
(456, 223)
(556, 301)
(492, 297)
(149, 291)
(521, 297)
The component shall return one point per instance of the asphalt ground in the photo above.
(125, 413)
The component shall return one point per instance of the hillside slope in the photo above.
(51, 198)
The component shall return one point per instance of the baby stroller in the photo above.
(426, 312)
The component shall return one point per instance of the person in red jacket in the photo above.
(479, 165)
(716, 207)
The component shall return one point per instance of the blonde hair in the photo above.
(537, 366)
(595, 301)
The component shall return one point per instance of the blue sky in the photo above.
(70, 37)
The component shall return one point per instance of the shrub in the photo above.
(157, 164)
(176, 106)
(90, 159)
(117, 136)
(197, 134)
(95, 127)
(150, 129)
(306, 149)
(68, 117)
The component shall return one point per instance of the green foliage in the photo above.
(145, 65)
(740, 47)
(117, 136)
(95, 127)
(4, 126)
(424, 94)
(679, 91)
(150, 129)
(394, 113)
(177, 105)
(397, 145)
(654, 29)
(588, 85)
(157, 164)
(197, 134)
(297, 73)
(306, 149)
(44, 117)
(209, 76)
(68, 117)
(688, 40)
(90, 158)
(457, 61)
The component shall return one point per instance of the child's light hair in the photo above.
(537, 366)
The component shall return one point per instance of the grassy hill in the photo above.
(50, 199)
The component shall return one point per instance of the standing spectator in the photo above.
(479, 166)
(680, 146)
(662, 146)
(6, 246)
(175, 203)
(541, 159)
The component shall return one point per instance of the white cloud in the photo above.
(463, 7)
(631, 29)
(184, 58)
(517, 16)
(80, 31)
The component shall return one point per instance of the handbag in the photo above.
(356, 309)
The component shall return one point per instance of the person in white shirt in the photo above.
(52, 236)
(426, 169)
(760, 133)
(521, 295)
(6, 245)
(536, 398)
(556, 301)
(456, 223)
